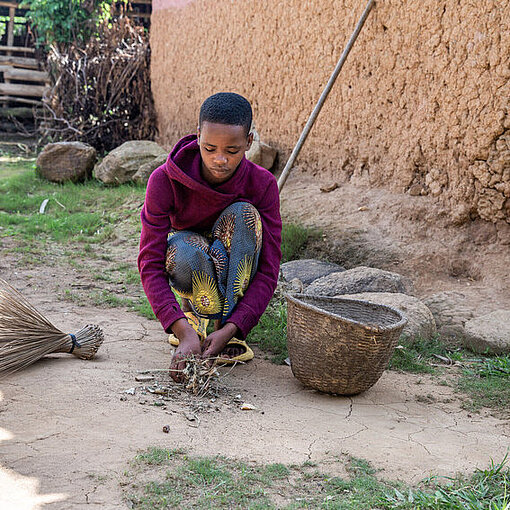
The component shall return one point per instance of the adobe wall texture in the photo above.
(421, 105)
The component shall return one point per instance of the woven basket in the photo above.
(340, 345)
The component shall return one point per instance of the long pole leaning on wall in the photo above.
(324, 95)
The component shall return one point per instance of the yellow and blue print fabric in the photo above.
(213, 270)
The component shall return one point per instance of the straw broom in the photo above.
(26, 335)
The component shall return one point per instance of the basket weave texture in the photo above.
(340, 345)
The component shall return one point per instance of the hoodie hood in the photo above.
(184, 166)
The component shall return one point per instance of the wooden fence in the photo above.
(22, 79)
(140, 12)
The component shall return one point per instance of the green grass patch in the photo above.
(270, 334)
(486, 489)
(143, 308)
(75, 213)
(155, 456)
(173, 479)
(487, 382)
(294, 240)
(11, 164)
(415, 357)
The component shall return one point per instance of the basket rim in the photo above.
(295, 298)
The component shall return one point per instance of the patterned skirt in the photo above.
(213, 269)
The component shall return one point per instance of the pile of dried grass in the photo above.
(199, 374)
(26, 335)
(100, 94)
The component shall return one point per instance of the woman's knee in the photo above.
(240, 209)
(187, 251)
(239, 216)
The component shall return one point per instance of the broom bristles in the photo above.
(26, 335)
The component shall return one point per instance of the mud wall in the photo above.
(421, 105)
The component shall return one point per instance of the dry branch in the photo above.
(101, 94)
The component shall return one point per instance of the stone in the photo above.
(261, 153)
(360, 279)
(417, 189)
(450, 313)
(294, 286)
(66, 161)
(308, 270)
(144, 172)
(420, 322)
(489, 333)
(122, 163)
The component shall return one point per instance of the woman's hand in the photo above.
(189, 345)
(216, 342)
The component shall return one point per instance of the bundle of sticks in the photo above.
(26, 335)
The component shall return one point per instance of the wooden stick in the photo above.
(10, 29)
(30, 63)
(24, 74)
(324, 95)
(24, 49)
(21, 100)
(17, 89)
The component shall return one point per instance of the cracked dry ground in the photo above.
(68, 429)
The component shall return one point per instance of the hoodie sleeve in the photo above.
(252, 305)
(156, 224)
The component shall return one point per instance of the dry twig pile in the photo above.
(199, 375)
(101, 93)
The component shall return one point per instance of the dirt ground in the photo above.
(68, 428)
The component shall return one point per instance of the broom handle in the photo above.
(324, 95)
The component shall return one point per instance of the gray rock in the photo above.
(308, 270)
(261, 153)
(450, 313)
(360, 279)
(122, 163)
(489, 332)
(66, 161)
(420, 322)
(144, 172)
(284, 287)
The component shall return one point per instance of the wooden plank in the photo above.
(30, 63)
(20, 112)
(24, 49)
(10, 28)
(141, 2)
(12, 73)
(139, 14)
(9, 4)
(22, 100)
(16, 89)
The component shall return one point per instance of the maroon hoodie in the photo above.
(179, 198)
